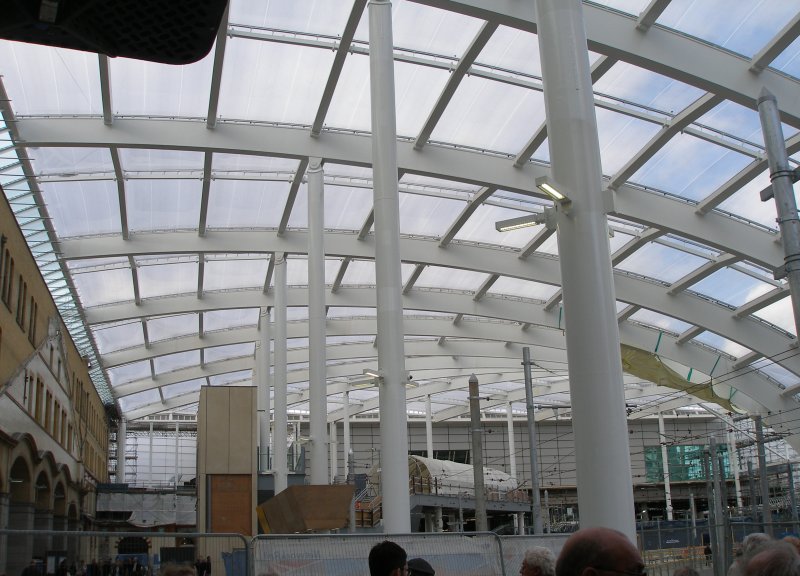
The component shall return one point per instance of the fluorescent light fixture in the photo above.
(547, 186)
(517, 223)
(372, 373)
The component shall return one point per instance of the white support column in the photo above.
(428, 426)
(318, 392)
(150, 455)
(662, 439)
(280, 469)
(733, 458)
(605, 486)
(262, 377)
(333, 445)
(346, 432)
(122, 440)
(388, 279)
(512, 452)
(177, 452)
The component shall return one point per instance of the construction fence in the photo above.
(60, 553)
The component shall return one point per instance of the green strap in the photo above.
(658, 342)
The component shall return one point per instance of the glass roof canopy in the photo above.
(155, 198)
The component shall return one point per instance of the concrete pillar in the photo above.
(317, 384)
(438, 525)
(605, 486)
(280, 468)
(388, 278)
(481, 522)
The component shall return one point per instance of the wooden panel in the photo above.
(217, 431)
(230, 503)
(241, 450)
(308, 508)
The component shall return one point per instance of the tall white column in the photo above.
(318, 392)
(261, 376)
(428, 426)
(388, 279)
(150, 455)
(662, 438)
(733, 458)
(605, 486)
(177, 453)
(333, 444)
(512, 451)
(122, 440)
(280, 469)
(346, 432)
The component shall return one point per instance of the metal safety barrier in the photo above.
(450, 554)
(55, 552)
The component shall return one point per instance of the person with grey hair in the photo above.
(776, 559)
(592, 551)
(751, 545)
(538, 561)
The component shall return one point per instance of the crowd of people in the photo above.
(599, 551)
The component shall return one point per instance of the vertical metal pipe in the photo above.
(712, 520)
(782, 177)
(726, 520)
(122, 440)
(481, 522)
(536, 506)
(177, 452)
(753, 495)
(428, 426)
(693, 514)
(605, 485)
(348, 452)
(665, 465)
(317, 393)
(280, 467)
(766, 512)
(150, 457)
(262, 376)
(719, 515)
(388, 278)
(512, 451)
(733, 458)
(334, 447)
(792, 496)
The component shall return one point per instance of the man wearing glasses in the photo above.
(599, 552)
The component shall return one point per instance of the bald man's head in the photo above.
(598, 551)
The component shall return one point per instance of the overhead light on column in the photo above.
(549, 187)
(545, 217)
(372, 373)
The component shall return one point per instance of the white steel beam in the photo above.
(777, 45)
(703, 271)
(342, 50)
(216, 71)
(630, 203)
(456, 75)
(650, 14)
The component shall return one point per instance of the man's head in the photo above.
(538, 561)
(387, 559)
(599, 552)
(420, 567)
(777, 559)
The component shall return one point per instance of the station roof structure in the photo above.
(155, 198)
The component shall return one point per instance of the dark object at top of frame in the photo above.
(166, 31)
